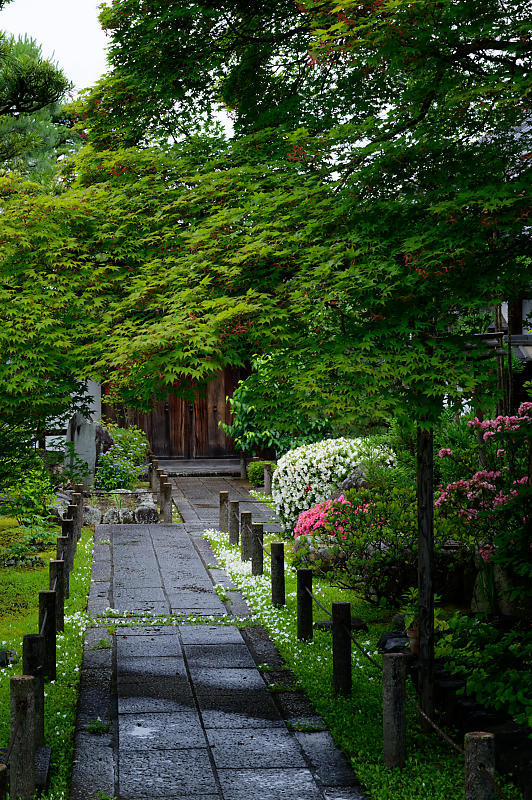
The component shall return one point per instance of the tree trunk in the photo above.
(425, 519)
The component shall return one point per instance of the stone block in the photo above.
(91, 516)
(146, 515)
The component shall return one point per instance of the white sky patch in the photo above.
(69, 32)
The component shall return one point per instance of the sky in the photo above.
(68, 31)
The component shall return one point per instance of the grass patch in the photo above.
(60, 695)
(432, 770)
(98, 727)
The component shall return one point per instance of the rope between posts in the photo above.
(411, 700)
(268, 553)
(21, 708)
(317, 601)
(44, 620)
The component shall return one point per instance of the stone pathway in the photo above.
(185, 712)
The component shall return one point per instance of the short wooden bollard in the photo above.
(61, 553)
(278, 584)
(267, 479)
(234, 518)
(3, 782)
(479, 755)
(48, 630)
(57, 584)
(162, 477)
(154, 477)
(341, 646)
(78, 488)
(74, 513)
(22, 761)
(33, 665)
(394, 709)
(167, 502)
(243, 467)
(304, 604)
(245, 536)
(68, 531)
(257, 553)
(77, 500)
(224, 512)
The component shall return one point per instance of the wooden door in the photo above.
(178, 428)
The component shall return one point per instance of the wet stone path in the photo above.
(181, 710)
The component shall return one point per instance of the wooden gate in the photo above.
(178, 428)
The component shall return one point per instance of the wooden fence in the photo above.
(24, 767)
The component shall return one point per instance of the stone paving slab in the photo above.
(268, 784)
(200, 656)
(161, 731)
(132, 669)
(253, 748)
(136, 643)
(146, 774)
(210, 634)
(332, 767)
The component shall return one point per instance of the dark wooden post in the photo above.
(162, 480)
(22, 761)
(33, 654)
(278, 585)
(48, 630)
(304, 604)
(68, 529)
(224, 512)
(57, 584)
(167, 502)
(425, 519)
(245, 536)
(73, 513)
(394, 709)
(257, 553)
(78, 488)
(341, 633)
(234, 513)
(243, 466)
(267, 479)
(154, 477)
(61, 553)
(479, 752)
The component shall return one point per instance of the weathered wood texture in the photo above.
(178, 428)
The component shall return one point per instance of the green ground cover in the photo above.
(432, 770)
(21, 617)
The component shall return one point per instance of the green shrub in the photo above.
(28, 498)
(116, 471)
(256, 472)
(496, 663)
(132, 441)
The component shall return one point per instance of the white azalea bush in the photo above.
(312, 473)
